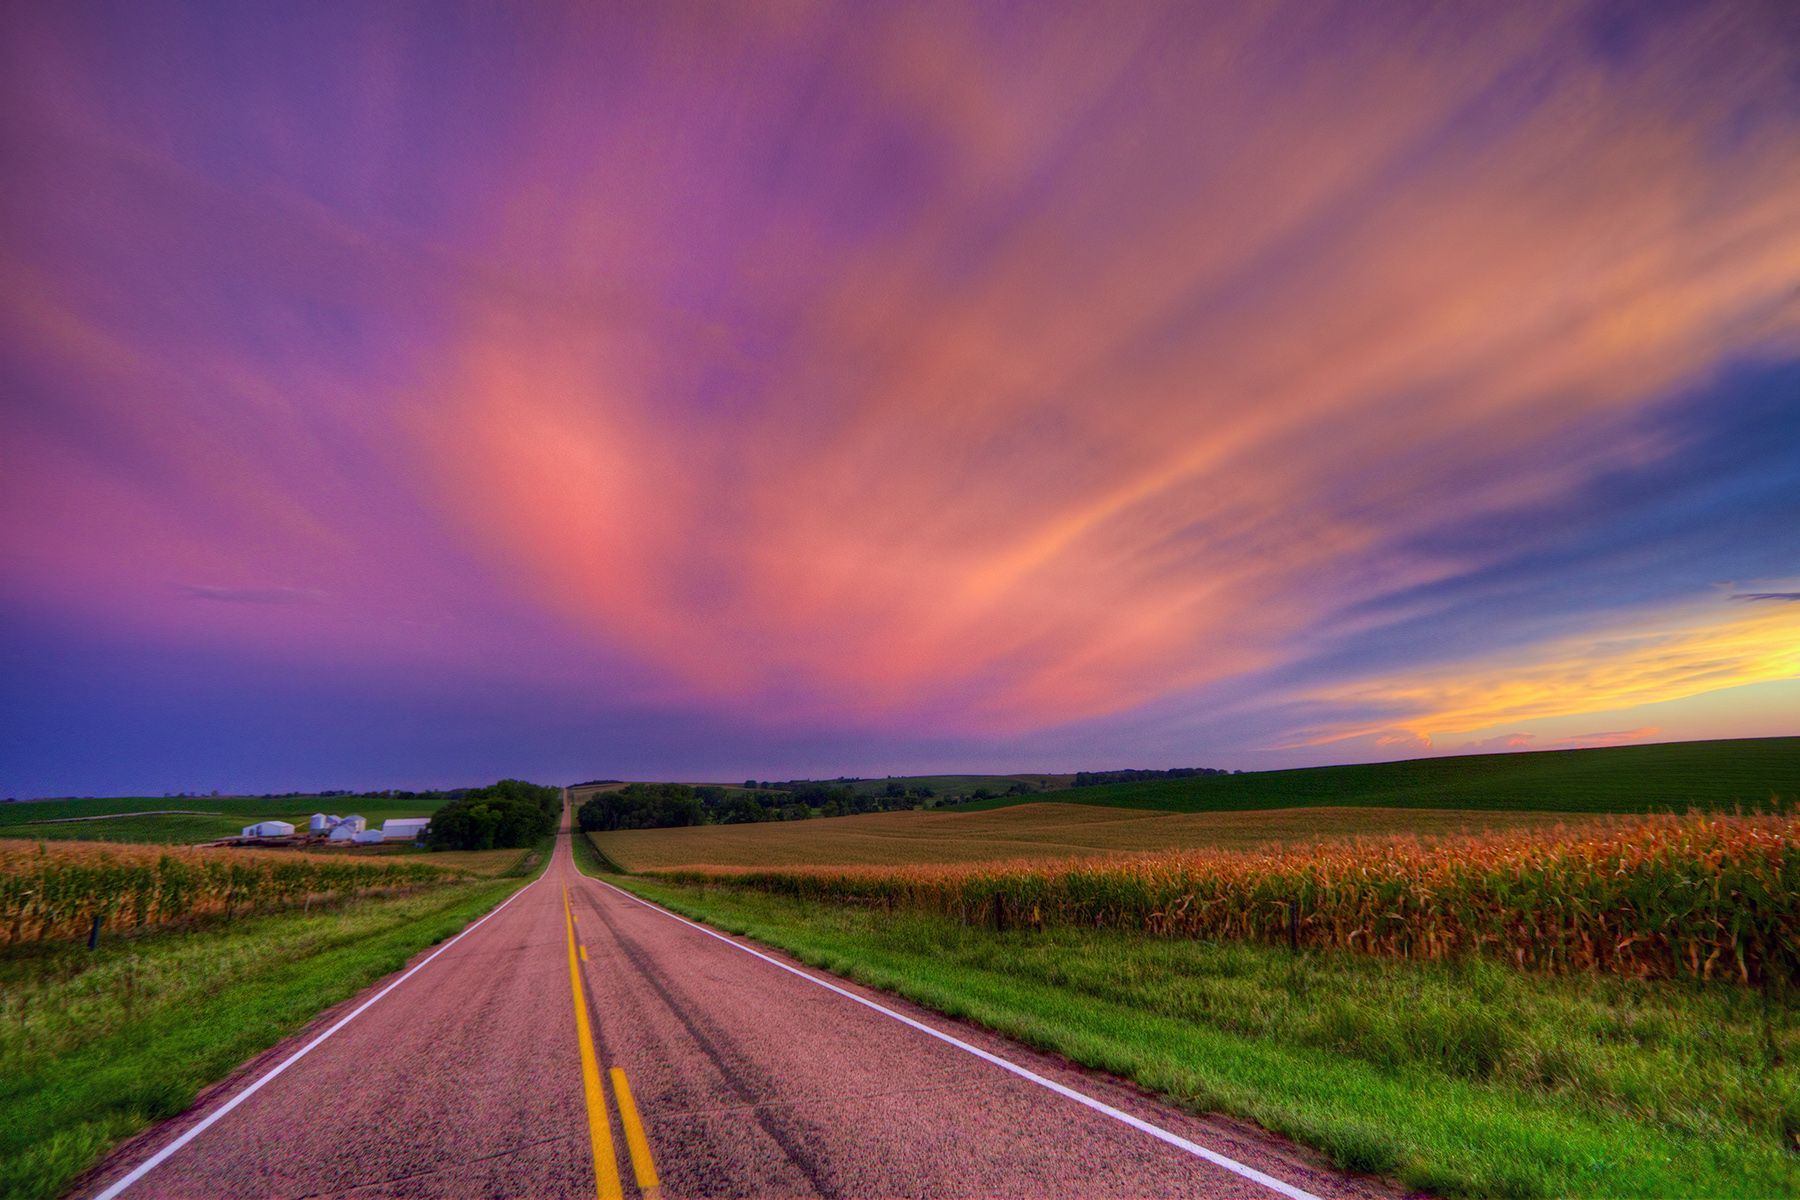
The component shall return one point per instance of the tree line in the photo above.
(509, 813)
(1096, 778)
(663, 805)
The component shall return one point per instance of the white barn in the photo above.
(367, 837)
(268, 829)
(319, 823)
(404, 829)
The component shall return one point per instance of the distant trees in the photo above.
(661, 805)
(360, 793)
(742, 808)
(509, 813)
(642, 806)
(1096, 778)
(828, 799)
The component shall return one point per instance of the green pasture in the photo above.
(1747, 772)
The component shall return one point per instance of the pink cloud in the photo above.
(1617, 737)
(1531, 741)
(1504, 741)
(1079, 405)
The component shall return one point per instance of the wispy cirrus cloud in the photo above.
(1007, 507)
(913, 370)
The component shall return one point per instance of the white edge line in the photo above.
(1099, 1106)
(213, 1117)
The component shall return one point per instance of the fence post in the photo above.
(94, 933)
(1293, 925)
(999, 912)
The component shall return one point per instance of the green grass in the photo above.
(96, 1046)
(211, 818)
(530, 862)
(173, 830)
(1458, 1078)
(1619, 779)
(589, 858)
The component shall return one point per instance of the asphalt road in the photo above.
(471, 1077)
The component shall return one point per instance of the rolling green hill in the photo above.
(1751, 772)
(188, 819)
(961, 784)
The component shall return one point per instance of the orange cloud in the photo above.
(1653, 657)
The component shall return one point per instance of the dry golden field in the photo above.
(488, 863)
(1705, 895)
(56, 889)
(1033, 831)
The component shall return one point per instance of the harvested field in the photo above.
(1033, 831)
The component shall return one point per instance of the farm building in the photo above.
(319, 823)
(268, 829)
(404, 829)
(345, 829)
(367, 837)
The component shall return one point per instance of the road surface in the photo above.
(501, 1064)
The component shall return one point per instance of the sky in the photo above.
(409, 395)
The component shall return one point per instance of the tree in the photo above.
(642, 806)
(509, 813)
(742, 809)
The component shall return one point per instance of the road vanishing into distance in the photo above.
(579, 1042)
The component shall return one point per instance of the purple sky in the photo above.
(397, 395)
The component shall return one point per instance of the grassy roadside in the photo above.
(96, 1046)
(1463, 1079)
(589, 858)
(530, 863)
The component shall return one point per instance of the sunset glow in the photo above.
(721, 390)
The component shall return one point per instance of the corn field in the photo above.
(1701, 895)
(55, 890)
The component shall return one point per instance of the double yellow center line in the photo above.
(606, 1166)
